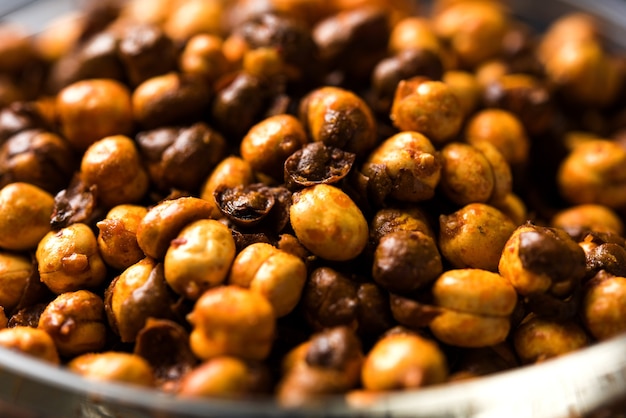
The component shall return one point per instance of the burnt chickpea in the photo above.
(231, 320)
(232, 171)
(76, 322)
(474, 236)
(199, 257)
(589, 216)
(466, 87)
(25, 212)
(113, 165)
(113, 366)
(503, 130)
(117, 236)
(193, 17)
(31, 341)
(328, 223)
(15, 271)
(339, 118)
(267, 144)
(477, 305)
(69, 260)
(603, 306)
(410, 163)
(403, 361)
(89, 110)
(537, 339)
(594, 172)
(203, 55)
(429, 107)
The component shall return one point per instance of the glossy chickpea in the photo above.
(594, 172)
(15, 272)
(231, 320)
(117, 236)
(603, 306)
(16, 48)
(31, 341)
(90, 110)
(571, 27)
(429, 107)
(339, 118)
(267, 144)
(25, 212)
(193, 17)
(113, 366)
(76, 322)
(232, 171)
(414, 33)
(403, 361)
(589, 216)
(199, 257)
(203, 55)
(503, 130)
(474, 236)
(410, 163)
(165, 220)
(265, 63)
(477, 305)
(147, 11)
(113, 165)
(537, 339)
(328, 223)
(68, 259)
(466, 87)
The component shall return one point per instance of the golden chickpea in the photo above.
(571, 27)
(474, 236)
(594, 172)
(192, 17)
(603, 311)
(589, 216)
(117, 236)
(31, 341)
(428, 107)
(15, 272)
(113, 165)
(25, 212)
(413, 33)
(514, 207)
(230, 320)
(203, 56)
(199, 257)
(76, 322)
(273, 273)
(538, 339)
(403, 361)
(147, 11)
(466, 175)
(267, 144)
(231, 172)
(392, 219)
(90, 110)
(466, 87)
(4, 321)
(113, 366)
(411, 163)
(68, 259)
(328, 223)
(503, 130)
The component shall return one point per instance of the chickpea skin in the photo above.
(113, 366)
(231, 172)
(31, 341)
(68, 259)
(199, 257)
(117, 236)
(25, 212)
(328, 223)
(230, 320)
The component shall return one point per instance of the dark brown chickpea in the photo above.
(113, 165)
(113, 366)
(589, 216)
(538, 339)
(429, 107)
(232, 171)
(203, 56)
(474, 236)
(231, 320)
(117, 236)
(316, 163)
(16, 48)
(90, 110)
(594, 172)
(170, 99)
(68, 259)
(603, 306)
(15, 272)
(267, 144)
(483, 361)
(76, 322)
(31, 341)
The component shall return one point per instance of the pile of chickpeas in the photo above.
(304, 198)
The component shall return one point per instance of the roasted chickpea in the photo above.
(203, 55)
(31, 341)
(514, 207)
(89, 110)
(474, 236)
(571, 27)
(68, 259)
(273, 273)
(429, 107)
(328, 223)
(466, 87)
(76, 322)
(232, 171)
(25, 212)
(193, 17)
(603, 306)
(231, 320)
(589, 216)
(414, 33)
(477, 305)
(403, 361)
(15, 272)
(113, 366)
(199, 257)
(267, 144)
(117, 236)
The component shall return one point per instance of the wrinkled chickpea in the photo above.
(117, 236)
(113, 366)
(32, 341)
(232, 171)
